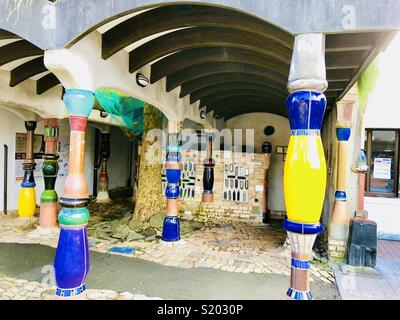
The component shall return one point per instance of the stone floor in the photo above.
(381, 283)
(219, 244)
(19, 289)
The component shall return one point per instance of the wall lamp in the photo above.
(141, 80)
(103, 114)
(203, 114)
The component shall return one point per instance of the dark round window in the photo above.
(269, 130)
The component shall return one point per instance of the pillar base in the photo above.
(299, 295)
(338, 231)
(75, 293)
(208, 197)
(171, 229)
(27, 202)
(71, 263)
(103, 197)
(48, 215)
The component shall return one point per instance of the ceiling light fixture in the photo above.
(103, 114)
(141, 80)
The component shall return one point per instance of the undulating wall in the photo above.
(257, 122)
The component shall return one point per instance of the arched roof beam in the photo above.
(191, 57)
(18, 50)
(174, 17)
(228, 104)
(214, 68)
(46, 82)
(242, 107)
(205, 37)
(211, 80)
(234, 113)
(210, 100)
(212, 90)
(27, 70)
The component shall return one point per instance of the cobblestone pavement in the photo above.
(219, 244)
(18, 289)
(381, 283)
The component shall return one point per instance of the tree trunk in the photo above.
(149, 196)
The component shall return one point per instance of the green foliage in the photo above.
(367, 82)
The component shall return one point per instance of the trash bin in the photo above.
(362, 243)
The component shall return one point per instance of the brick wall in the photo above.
(251, 209)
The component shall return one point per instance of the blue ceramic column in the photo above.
(171, 227)
(72, 256)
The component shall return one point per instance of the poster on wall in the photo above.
(20, 154)
(382, 168)
(63, 152)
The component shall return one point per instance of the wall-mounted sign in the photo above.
(382, 168)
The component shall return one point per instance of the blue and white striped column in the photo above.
(171, 227)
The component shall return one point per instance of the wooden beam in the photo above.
(7, 35)
(239, 93)
(173, 17)
(214, 68)
(17, 50)
(231, 86)
(239, 109)
(27, 70)
(211, 80)
(231, 103)
(191, 57)
(46, 82)
(351, 41)
(345, 59)
(205, 37)
(340, 74)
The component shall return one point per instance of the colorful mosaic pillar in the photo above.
(72, 256)
(171, 228)
(305, 165)
(339, 226)
(49, 197)
(102, 195)
(208, 175)
(27, 195)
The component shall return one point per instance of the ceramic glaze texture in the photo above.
(173, 170)
(72, 256)
(305, 165)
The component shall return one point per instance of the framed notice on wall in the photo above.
(20, 154)
(382, 168)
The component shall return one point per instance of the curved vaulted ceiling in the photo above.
(231, 62)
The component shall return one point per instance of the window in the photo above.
(382, 148)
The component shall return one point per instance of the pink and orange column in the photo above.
(49, 197)
(72, 256)
(305, 165)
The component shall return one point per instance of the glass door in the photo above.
(383, 162)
